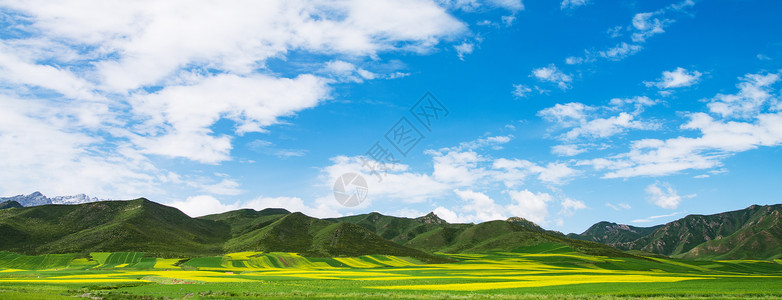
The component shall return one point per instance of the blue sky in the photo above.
(565, 113)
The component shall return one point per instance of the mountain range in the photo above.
(37, 198)
(143, 225)
(751, 233)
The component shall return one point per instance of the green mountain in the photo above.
(612, 234)
(397, 229)
(243, 221)
(754, 232)
(9, 204)
(296, 232)
(432, 234)
(135, 225)
(734, 234)
(760, 237)
(144, 226)
(500, 236)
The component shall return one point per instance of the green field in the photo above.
(533, 272)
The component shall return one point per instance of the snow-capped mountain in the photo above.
(37, 198)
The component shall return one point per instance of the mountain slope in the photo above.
(243, 221)
(612, 234)
(135, 225)
(761, 237)
(683, 235)
(309, 236)
(500, 236)
(397, 229)
(9, 204)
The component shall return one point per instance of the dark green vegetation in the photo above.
(9, 204)
(751, 233)
(145, 226)
(136, 225)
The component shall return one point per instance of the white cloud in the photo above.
(620, 51)
(663, 195)
(397, 184)
(677, 78)
(224, 187)
(569, 114)
(513, 171)
(347, 72)
(553, 75)
(180, 115)
(652, 218)
(464, 49)
(93, 89)
(529, 205)
(456, 171)
(573, 60)
(567, 150)
(572, 4)
(570, 206)
(473, 5)
(478, 207)
(582, 121)
(646, 26)
(202, 205)
(607, 127)
(521, 91)
(618, 206)
(717, 139)
(46, 151)
(755, 91)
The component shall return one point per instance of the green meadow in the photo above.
(535, 272)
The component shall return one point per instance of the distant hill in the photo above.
(145, 226)
(612, 234)
(754, 232)
(432, 234)
(135, 225)
(37, 198)
(397, 229)
(9, 204)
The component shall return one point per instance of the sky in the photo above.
(565, 113)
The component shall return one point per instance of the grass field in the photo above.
(535, 272)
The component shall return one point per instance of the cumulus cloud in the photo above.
(570, 206)
(663, 195)
(715, 140)
(755, 91)
(529, 205)
(583, 121)
(116, 83)
(677, 78)
(202, 205)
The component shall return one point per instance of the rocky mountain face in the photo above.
(754, 232)
(613, 234)
(36, 199)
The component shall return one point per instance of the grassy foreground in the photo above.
(538, 272)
